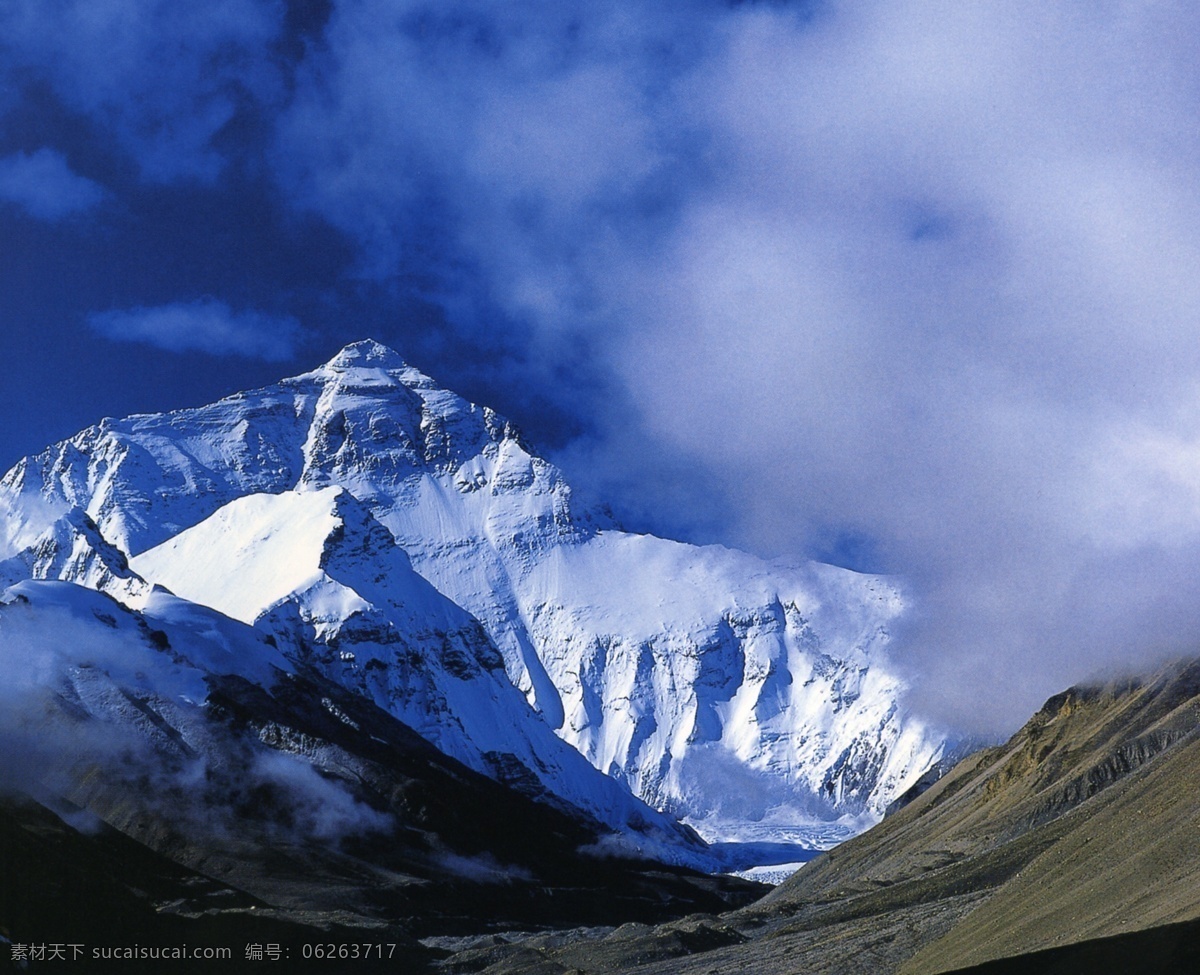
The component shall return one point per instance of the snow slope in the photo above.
(316, 570)
(126, 676)
(714, 684)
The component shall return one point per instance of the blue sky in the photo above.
(909, 285)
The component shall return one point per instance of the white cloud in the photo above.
(43, 184)
(205, 325)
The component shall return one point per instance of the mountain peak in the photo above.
(630, 647)
(367, 352)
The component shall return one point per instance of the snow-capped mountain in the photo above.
(718, 686)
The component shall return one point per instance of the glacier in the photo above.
(414, 546)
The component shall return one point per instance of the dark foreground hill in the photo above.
(146, 804)
(456, 853)
(1073, 847)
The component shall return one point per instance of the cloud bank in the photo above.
(919, 274)
(909, 284)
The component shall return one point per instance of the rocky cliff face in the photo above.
(713, 684)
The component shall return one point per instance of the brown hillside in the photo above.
(1084, 825)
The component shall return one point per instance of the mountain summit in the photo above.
(367, 353)
(362, 509)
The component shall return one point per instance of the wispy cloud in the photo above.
(164, 80)
(43, 184)
(64, 711)
(206, 325)
(534, 136)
